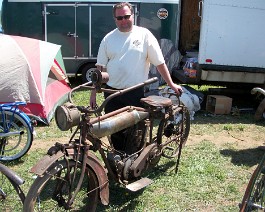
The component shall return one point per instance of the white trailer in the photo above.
(231, 42)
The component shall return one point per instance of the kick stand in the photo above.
(178, 160)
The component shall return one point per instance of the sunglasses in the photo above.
(126, 17)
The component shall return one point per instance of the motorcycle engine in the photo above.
(127, 167)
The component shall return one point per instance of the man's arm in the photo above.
(163, 70)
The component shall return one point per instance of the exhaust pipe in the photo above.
(118, 122)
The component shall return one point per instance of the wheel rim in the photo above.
(254, 198)
(53, 191)
(18, 144)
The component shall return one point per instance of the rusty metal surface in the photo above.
(119, 122)
(114, 113)
(44, 163)
(101, 173)
(140, 163)
(93, 162)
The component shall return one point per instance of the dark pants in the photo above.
(131, 98)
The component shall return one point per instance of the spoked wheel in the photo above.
(16, 136)
(254, 198)
(53, 191)
(174, 133)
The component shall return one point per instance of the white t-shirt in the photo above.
(127, 56)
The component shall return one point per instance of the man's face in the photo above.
(124, 19)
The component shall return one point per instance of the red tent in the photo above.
(32, 71)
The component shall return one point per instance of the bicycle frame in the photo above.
(15, 180)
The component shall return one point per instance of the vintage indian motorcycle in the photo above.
(76, 175)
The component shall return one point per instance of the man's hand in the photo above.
(177, 88)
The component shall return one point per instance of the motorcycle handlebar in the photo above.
(114, 94)
(120, 92)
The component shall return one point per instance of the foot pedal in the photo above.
(139, 184)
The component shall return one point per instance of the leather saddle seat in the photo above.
(156, 101)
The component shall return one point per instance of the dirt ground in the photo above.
(242, 140)
(250, 137)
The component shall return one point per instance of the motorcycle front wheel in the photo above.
(53, 190)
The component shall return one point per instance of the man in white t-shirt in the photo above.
(126, 53)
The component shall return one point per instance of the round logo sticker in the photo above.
(162, 13)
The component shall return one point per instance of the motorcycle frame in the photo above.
(80, 150)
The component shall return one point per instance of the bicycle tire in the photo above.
(11, 147)
(179, 131)
(254, 198)
(45, 195)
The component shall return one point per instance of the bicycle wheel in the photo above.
(9, 199)
(254, 197)
(16, 136)
(53, 190)
(174, 133)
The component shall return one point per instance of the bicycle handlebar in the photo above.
(120, 92)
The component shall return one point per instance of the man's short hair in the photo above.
(121, 5)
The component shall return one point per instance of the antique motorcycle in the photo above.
(73, 177)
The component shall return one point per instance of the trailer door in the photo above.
(61, 28)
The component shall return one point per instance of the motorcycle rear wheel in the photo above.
(178, 132)
(51, 191)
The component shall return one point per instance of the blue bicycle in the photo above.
(16, 131)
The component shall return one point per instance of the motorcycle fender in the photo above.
(44, 163)
(93, 162)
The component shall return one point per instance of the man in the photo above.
(126, 53)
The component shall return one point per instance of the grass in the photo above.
(206, 178)
(211, 177)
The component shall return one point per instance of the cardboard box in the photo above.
(218, 104)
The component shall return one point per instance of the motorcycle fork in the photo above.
(83, 150)
(80, 155)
